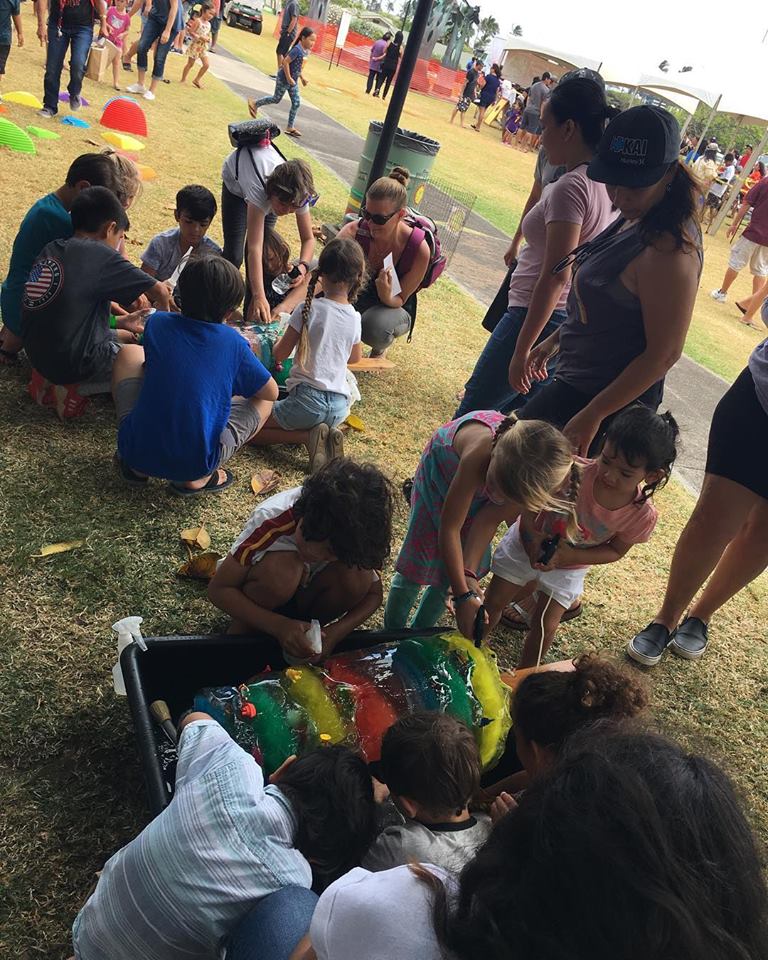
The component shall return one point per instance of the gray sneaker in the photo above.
(317, 447)
(691, 639)
(46, 113)
(649, 645)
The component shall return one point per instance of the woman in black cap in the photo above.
(634, 285)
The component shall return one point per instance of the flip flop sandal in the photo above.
(213, 485)
(68, 402)
(252, 108)
(293, 133)
(130, 477)
(524, 623)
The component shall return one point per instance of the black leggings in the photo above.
(373, 75)
(234, 225)
(558, 402)
(384, 79)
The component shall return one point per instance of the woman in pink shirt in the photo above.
(571, 211)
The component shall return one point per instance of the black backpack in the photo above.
(253, 133)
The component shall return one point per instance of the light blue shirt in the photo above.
(224, 842)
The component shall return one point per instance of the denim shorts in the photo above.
(306, 407)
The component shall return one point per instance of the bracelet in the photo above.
(462, 597)
(470, 575)
(112, 322)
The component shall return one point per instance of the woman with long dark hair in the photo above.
(634, 286)
(570, 212)
(389, 65)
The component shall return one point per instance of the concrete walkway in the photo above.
(692, 392)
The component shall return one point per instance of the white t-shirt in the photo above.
(377, 916)
(718, 189)
(334, 328)
(246, 176)
(447, 845)
(224, 842)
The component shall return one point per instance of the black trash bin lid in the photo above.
(408, 140)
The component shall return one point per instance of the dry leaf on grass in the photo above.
(196, 538)
(52, 548)
(200, 567)
(355, 422)
(265, 481)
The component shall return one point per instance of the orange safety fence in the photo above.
(429, 76)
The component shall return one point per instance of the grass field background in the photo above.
(71, 791)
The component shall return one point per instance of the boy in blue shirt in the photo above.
(174, 396)
(9, 10)
(287, 79)
(195, 209)
(46, 220)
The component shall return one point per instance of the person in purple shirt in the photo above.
(378, 50)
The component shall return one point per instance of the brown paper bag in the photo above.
(100, 59)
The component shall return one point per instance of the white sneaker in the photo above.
(149, 95)
(719, 296)
(136, 88)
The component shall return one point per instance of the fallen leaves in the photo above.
(265, 481)
(53, 548)
(355, 423)
(196, 538)
(201, 566)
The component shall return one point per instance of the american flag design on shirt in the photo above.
(45, 281)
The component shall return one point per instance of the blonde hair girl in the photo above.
(325, 333)
(475, 473)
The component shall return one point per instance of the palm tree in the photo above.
(517, 30)
(487, 28)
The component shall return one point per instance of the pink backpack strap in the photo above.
(363, 237)
(408, 256)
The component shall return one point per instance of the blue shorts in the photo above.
(305, 407)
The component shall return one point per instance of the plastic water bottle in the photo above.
(282, 283)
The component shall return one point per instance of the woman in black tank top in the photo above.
(634, 285)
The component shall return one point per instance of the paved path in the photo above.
(692, 391)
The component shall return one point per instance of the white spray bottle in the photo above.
(128, 630)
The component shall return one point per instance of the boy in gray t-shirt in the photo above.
(431, 765)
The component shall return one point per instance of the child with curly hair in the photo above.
(325, 332)
(612, 499)
(310, 553)
(551, 706)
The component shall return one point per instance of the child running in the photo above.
(118, 25)
(10, 10)
(288, 77)
(225, 842)
(476, 472)
(199, 32)
(310, 553)
(431, 765)
(46, 220)
(326, 334)
(612, 498)
(195, 210)
(551, 706)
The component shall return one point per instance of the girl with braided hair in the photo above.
(325, 333)
(611, 499)
(476, 472)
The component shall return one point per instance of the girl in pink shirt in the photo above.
(614, 511)
(118, 25)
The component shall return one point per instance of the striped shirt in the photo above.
(224, 842)
(271, 526)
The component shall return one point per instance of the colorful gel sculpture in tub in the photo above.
(355, 697)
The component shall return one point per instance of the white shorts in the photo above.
(745, 252)
(511, 563)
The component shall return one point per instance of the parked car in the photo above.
(238, 13)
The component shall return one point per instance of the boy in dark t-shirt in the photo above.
(65, 322)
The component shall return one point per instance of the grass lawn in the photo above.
(70, 787)
(501, 178)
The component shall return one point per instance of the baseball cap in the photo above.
(583, 73)
(636, 148)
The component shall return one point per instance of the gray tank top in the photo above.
(603, 331)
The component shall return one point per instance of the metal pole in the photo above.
(406, 14)
(707, 125)
(400, 90)
(736, 185)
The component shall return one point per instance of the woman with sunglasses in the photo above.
(571, 210)
(634, 286)
(380, 231)
(260, 185)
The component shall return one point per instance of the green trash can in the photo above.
(410, 150)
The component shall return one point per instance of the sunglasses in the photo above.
(309, 201)
(378, 218)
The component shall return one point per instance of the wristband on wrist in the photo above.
(112, 322)
(463, 597)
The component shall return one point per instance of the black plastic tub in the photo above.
(175, 668)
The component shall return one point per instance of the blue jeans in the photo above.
(281, 87)
(274, 927)
(488, 388)
(151, 31)
(306, 407)
(78, 40)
